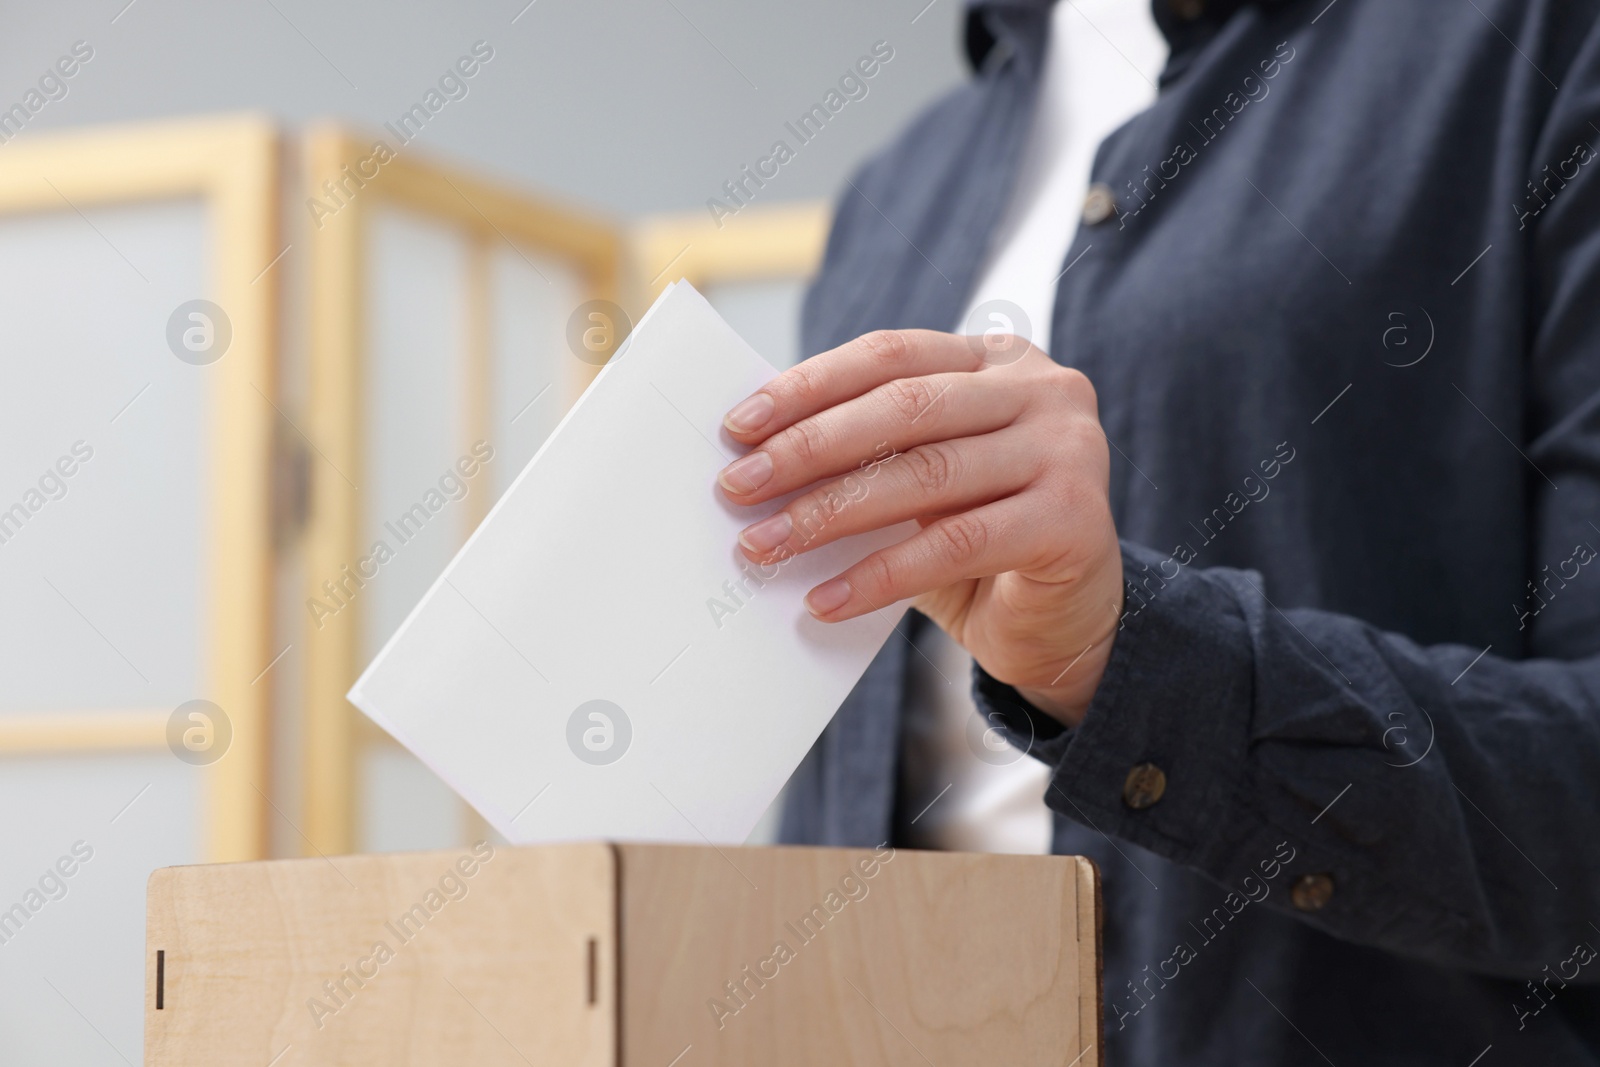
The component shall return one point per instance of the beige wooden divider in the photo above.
(779, 242)
(487, 215)
(625, 265)
(231, 166)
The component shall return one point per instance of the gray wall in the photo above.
(631, 106)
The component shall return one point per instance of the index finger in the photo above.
(844, 373)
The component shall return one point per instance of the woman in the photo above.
(1281, 563)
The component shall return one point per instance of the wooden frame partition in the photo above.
(778, 241)
(487, 214)
(231, 165)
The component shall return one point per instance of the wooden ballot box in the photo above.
(626, 956)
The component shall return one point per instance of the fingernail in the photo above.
(748, 474)
(829, 596)
(767, 534)
(751, 414)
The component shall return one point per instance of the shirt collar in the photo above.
(996, 30)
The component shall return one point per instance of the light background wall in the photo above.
(626, 105)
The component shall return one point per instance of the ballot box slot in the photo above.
(161, 979)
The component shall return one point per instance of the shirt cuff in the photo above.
(1174, 703)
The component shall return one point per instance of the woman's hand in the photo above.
(995, 450)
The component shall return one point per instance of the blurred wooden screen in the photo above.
(440, 361)
(135, 451)
(753, 267)
(177, 524)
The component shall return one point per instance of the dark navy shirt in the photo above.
(1344, 325)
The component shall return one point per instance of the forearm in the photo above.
(1311, 727)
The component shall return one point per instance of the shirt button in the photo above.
(1143, 786)
(1311, 891)
(1188, 10)
(1099, 205)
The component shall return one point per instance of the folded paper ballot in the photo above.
(599, 660)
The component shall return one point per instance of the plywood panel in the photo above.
(333, 961)
(635, 955)
(806, 956)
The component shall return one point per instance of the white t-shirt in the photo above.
(965, 788)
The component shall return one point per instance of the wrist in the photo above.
(1068, 695)
(1068, 701)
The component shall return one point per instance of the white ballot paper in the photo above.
(599, 660)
